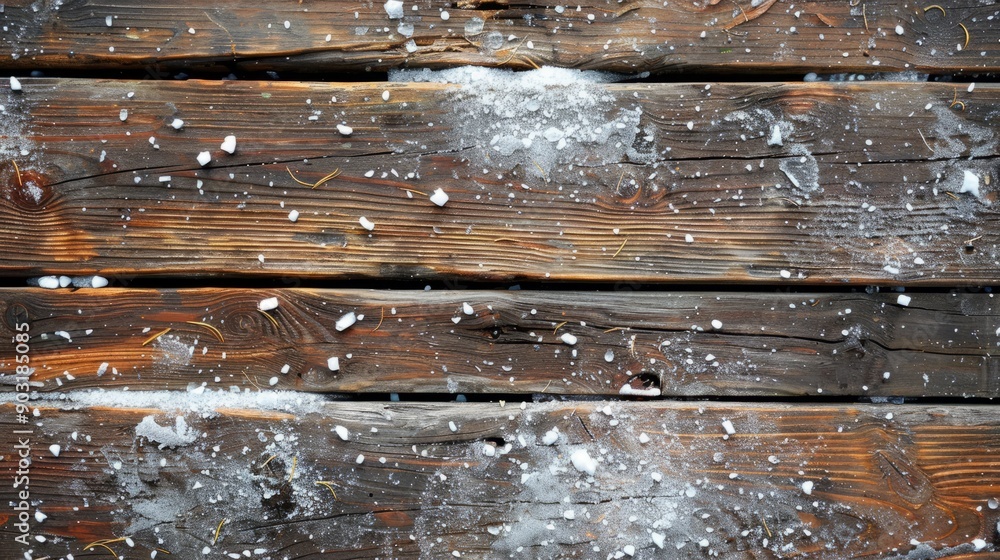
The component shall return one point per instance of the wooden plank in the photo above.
(768, 344)
(664, 183)
(430, 480)
(635, 36)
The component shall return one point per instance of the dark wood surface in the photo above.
(864, 188)
(907, 479)
(769, 344)
(320, 38)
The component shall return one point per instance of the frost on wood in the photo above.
(628, 479)
(540, 120)
(177, 436)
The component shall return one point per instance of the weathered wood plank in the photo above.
(429, 480)
(417, 342)
(632, 36)
(772, 183)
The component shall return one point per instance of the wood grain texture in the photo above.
(630, 37)
(769, 344)
(428, 480)
(664, 183)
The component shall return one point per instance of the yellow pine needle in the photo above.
(155, 336)
(559, 326)
(935, 7)
(966, 29)
(18, 169)
(329, 486)
(382, 318)
(212, 329)
(296, 179)
(864, 14)
(104, 546)
(620, 248)
(269, 459)
(295, 461)
(269, 318)
(333, 175)
(218, 530)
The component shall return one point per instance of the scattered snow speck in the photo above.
(551, 436)
(688, 238)
(609, 356)
(123, 115)
(228, 144)
(55, 449)
(970, 184)
(716, 324)
(385, 95)
(342, 432)
(48, 282)
(467, 309)
(899, 30)
(445, 15)
(394, 8)
(345, 321)
(452, 426)
(785, 274)
(807, 487)
(978, 544)
(366, 223)
(583, 462)
(293, 216)
(903, 300)
(690, 125)
(333, 363)
(177, 124)
(204, 158)
(268, 304)
(439, 197)
(360, 459)
(345, 130)
(568, 338)
(273, 381)
(628, 390)
(775, 138)
(15, 84)
(643, 438)
(659, 539)
(728, 427)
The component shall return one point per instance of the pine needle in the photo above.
(382, 318)
(295, 461)
(333, 175)
(620, 248)
(296, 179)
(329, 486)
(559, 326)
(269, 318)
(21, 184)
(218, 530)
(155, 336)
(213, 330)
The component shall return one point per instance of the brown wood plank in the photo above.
(430, 480)
(665, 183)
(769, 344)
(634, 36)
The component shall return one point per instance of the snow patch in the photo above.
(539, 120)
(177, 436)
